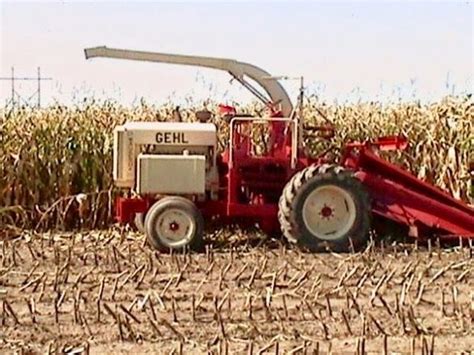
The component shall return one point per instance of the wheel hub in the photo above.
(329, 212)
(175, 227)
(326, 212)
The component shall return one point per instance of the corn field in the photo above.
(56, 163)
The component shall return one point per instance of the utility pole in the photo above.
(39, 87)
(14, 79)
(13, 86)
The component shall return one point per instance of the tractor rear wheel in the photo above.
(325, 207)
(174, 222)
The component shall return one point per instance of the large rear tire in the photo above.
(325, 208)
(174, 222)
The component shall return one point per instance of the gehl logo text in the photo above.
(171, 138)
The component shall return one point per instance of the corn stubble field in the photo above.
(68, 287)
(107, 292)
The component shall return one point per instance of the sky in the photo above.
(346, 51)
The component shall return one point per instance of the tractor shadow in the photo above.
(384, 237)
(241, 238)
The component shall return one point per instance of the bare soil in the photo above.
(109, 292)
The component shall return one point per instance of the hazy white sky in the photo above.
(345, 50)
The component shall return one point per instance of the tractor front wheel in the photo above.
(174, 223)
(139, 222)
(324, 208)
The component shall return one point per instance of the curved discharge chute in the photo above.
(277, 98)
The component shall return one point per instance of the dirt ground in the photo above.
(109, 292)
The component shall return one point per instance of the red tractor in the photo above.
(174, 178)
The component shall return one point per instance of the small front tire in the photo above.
(139, 222)
(174, 222)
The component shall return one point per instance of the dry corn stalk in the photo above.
(56, 163)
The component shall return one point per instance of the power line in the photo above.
(37, 93)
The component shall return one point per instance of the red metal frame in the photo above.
(403, 198)
(250, 185)
(127, 207)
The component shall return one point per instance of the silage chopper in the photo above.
(173, 178)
